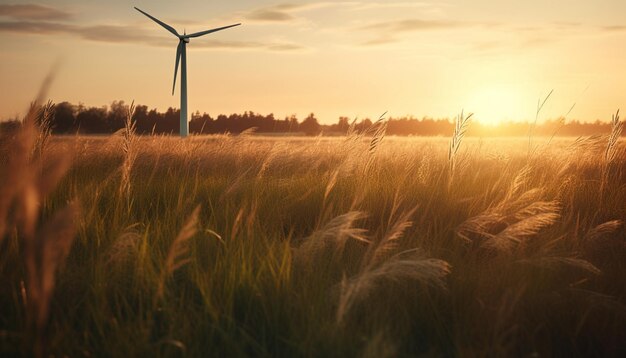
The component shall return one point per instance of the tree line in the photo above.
(77, 119)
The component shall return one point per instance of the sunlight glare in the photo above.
(492, 105)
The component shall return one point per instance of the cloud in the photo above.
(33, 12)
(427, 7)
(118, 34)
(388, 32)
(286, 47)
(277, 13)
(614, 28)
(248, 45)
(102, 33)
(410, 25)
(131, 34)
(28, 27)
(286, 12)
(514, 39)
(527, 36)
(32, 19)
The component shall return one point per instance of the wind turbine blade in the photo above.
(166, 26)
(178, 54)
(201, 33)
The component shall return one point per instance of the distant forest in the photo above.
(73, 119)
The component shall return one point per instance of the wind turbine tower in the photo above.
(181, 57)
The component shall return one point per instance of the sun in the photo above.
(495, 104)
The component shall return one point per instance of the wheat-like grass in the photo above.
(247, 132)
(178, 254)
(559, 262)
(511, 222)
(44, 128)
(461, 124)
(616, 131)
(588, 144)
(610, 153)
(536, 208)
(335, 234)
(516, 233)
(125, 246)
(400, 269)
(519, 182)
(44, 253)
(244, 293)
(378, 250)
(378, 130)
(603, 229)
(27, 181)
(130, 151)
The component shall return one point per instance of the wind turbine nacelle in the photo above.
(185, 39)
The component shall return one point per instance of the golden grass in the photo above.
(28, 177)
(247, 246)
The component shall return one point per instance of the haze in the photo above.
(353, 58)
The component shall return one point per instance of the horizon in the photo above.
(324, 121)
(426, 59)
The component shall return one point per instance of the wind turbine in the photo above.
(181, 54)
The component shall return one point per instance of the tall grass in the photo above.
(251, 246)
(39, 247)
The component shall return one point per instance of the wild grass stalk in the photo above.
(461, 124)
(616, 130)
(603, 229)
(611, 151)
(560, 124)
(531, 128)
(378, 130)
(44, 128)
(330, 241)
(402, 269)
(45, 243)
(44, 253)
(380, 249)
(129, 148)
(178, 254)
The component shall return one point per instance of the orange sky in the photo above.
(352, 58)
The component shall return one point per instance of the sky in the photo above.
(358, 59)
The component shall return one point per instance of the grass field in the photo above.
(327, 247)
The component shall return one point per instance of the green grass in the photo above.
(275, 254)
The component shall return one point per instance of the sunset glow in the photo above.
(497, 103)
(344, 58)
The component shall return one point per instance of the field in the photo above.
(246, 245)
